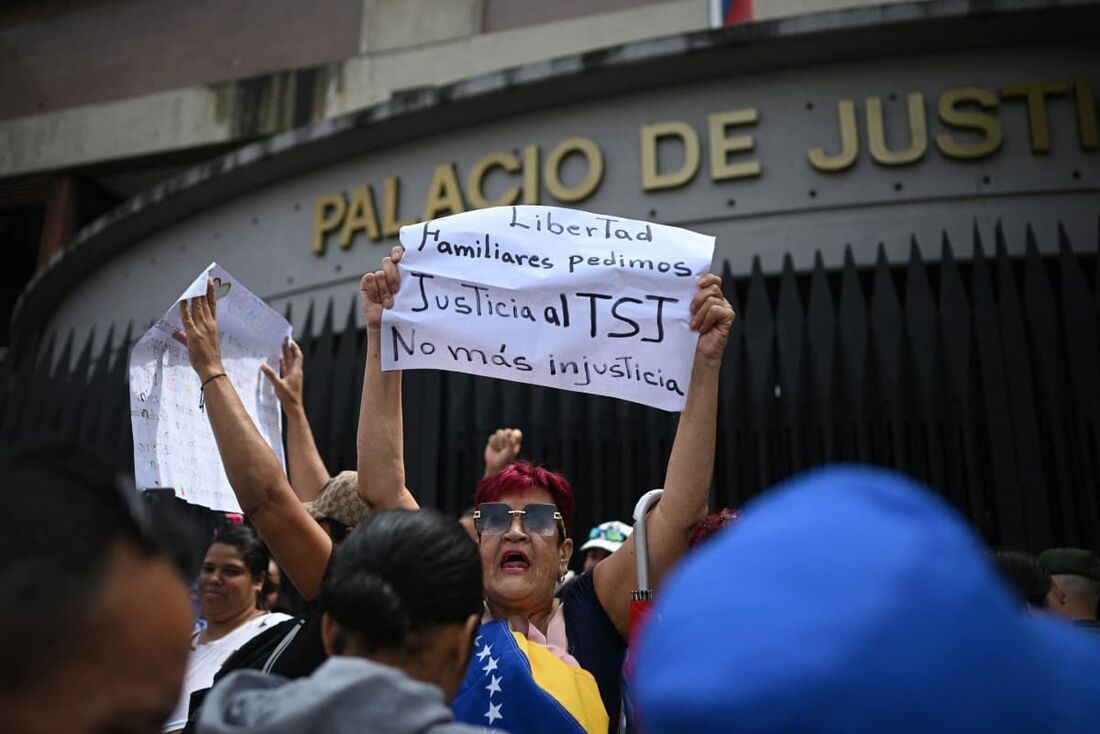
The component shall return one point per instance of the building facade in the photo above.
(905, 199)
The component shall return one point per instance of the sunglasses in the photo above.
(613, 534)
(495, 518)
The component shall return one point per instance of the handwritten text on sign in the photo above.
(173, 443)
(553, 297)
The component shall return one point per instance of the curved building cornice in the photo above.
(843, 35)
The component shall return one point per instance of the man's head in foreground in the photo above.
(873, 608)
(95, 619)
(1077, 573)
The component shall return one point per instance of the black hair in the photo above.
(1027, 576)
(401, 571)
(253, 552)
(64, 514)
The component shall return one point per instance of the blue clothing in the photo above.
(595, 642)
(520, 686)
(852, 600)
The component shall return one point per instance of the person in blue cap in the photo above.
(853, 600)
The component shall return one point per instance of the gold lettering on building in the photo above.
(651, 137)
(1036, 96)
(968, 129)
(876, 133)
(722, 145)
(951, 114)
(531, 189)
(361, 216)
(444, 193)
(594, 160)
(391, 196)
(476, 180)
(328, 214)
(849, 141)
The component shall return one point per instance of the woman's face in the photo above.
(521, 569)
(226, 589)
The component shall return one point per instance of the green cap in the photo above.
(1071, 561)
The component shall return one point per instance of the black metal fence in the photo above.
(978, 376)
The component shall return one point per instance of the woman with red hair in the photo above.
(524, 514)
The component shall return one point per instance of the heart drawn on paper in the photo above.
(221, 290)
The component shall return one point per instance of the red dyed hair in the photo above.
(521, 477)
(714, 522)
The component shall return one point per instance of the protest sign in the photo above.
(173, 443)
(550, 296)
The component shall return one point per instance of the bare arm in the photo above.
(298, 543)
(380, 438)
(501, 449)
(308, 474)
(690, 466)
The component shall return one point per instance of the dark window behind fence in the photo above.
(978, 376)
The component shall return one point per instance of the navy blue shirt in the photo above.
(595, 642)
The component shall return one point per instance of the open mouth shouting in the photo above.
(515, 561)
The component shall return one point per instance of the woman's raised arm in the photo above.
(690, 466)
(380, 438)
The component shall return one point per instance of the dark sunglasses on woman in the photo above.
(494, 518)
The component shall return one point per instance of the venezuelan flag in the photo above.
(734, 11)
(520, 686)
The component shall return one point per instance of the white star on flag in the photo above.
(490, 666)
(494, 685)
(493, 713)
(485, 652)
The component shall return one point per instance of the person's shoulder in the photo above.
(270, 619)
(579, 590)
(251, 629)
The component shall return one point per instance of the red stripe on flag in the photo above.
(737, 11)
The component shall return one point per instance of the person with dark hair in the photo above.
(1076, 571)
(1030, 580)
(299, 543)
(524, 514)
(466, 520)
(401, 604)
(231, 595)
(301, 535)
(94, 609)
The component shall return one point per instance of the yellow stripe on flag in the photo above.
(574, 688)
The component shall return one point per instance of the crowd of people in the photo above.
(849, 599)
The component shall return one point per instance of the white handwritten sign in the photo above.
(550, 296)
(173, 443)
